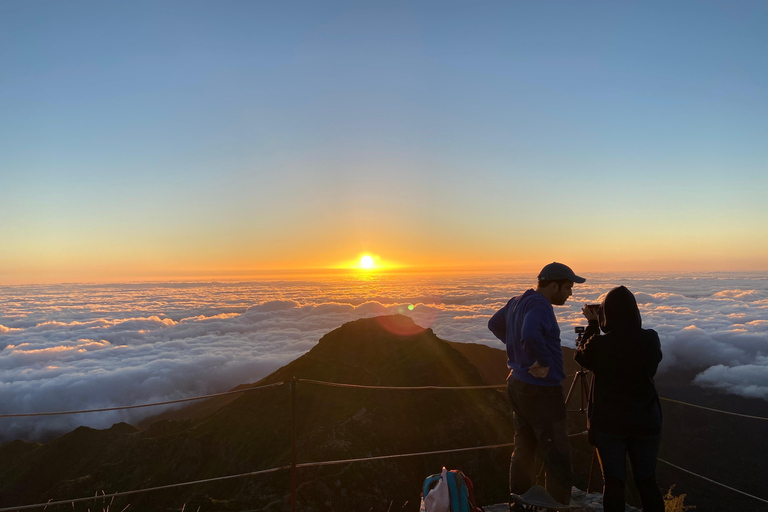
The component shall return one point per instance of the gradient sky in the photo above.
(145, 140)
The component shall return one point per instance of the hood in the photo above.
(530, 295)
(619, 311)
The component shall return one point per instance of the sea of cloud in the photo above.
(71, 347)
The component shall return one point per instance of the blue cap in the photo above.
(555, 271)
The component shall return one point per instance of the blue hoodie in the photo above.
(528, 327)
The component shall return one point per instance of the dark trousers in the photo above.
(612, 451)
(540, 428)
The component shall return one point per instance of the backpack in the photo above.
(458, 497)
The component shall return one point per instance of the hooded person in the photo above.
(624, 413)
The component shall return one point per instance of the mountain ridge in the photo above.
(488, 362)
(250, 433)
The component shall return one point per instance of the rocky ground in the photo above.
(580, 502)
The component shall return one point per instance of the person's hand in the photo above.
(590, 313)
(538, 371)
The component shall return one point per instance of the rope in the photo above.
(715, 410)
(253, 473)
(436, 452)
(383, 457)
(148, 489)
(333, 384)
(709, 480)
(399, 388)
(139, 405)
(265, 471)
(330, 463)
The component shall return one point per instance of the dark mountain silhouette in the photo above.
(243, 433)
(252, 432)
(489, 362)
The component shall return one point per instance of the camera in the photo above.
(579, 330)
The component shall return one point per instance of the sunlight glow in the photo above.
(367, 262)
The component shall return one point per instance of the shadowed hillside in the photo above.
(251, 432)
(490, 362)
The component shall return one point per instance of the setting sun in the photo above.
(367, 262)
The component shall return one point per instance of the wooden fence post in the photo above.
(293, 444)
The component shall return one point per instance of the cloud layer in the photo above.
(78, 346)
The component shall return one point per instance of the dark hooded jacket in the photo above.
(624, 359)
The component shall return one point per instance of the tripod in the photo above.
(581, 381)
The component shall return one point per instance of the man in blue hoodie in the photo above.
(528, 327)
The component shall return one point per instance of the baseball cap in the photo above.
(555, 271)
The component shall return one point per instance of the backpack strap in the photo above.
(459, 492)
(463, 492)
(453, 491)
(429, 483)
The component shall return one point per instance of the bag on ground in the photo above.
(449, 491)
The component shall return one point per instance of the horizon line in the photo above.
(273, 273)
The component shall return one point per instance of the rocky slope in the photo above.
(252, 432)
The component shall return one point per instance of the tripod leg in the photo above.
(570, 390)
(584, 393)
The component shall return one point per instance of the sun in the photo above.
(366, 262)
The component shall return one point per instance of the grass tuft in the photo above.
(674, 503)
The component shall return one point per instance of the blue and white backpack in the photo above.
(460, 496)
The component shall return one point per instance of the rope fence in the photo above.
(266, 471)
(148, 489)
(294, 465)
(331, 384)
(714, 410)
(399, 388)
(713, 481)
(153, 404)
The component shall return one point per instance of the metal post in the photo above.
(293, 444)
